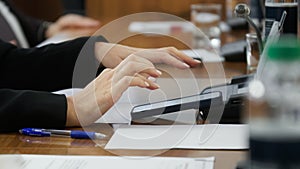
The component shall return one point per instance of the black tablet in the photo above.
(199, 102)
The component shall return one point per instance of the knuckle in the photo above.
(127, 79)
(133, 57)
(171, 49)
(107, 70)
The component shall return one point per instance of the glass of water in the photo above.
(252, 52)
(207, 18)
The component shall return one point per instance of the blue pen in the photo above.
(70, 133)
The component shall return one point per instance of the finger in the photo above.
(163, 56)
(173, 61)
(145, 75)
(127, 81)
(151, 72)
(87, 22)
(72, 20)
(134, 70)
(133, 64)
(182, 56)
(150, 84)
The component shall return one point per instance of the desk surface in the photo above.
(14, 143)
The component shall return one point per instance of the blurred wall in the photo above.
(43, 9)
(107, 10)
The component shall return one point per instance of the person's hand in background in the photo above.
(102, 93)
(110, 55)
(73, 24)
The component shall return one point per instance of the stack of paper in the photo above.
(96, 162)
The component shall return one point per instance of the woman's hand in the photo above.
(101, 94)
(110, 55)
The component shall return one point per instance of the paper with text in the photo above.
(96, 162)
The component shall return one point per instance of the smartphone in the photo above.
(199, 102)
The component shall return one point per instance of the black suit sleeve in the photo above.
(24, 108)
(43, 69)
(49, 68)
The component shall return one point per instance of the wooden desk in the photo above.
(14, 143)
(17, 144)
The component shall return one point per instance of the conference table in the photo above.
(15, 143)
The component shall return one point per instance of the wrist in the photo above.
(72, 119)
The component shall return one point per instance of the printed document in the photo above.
(96, 162)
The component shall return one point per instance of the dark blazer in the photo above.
(27, 76)
(33, 28)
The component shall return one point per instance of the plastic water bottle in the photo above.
(281, 78)
(275, 138)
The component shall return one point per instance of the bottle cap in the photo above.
(286, 49)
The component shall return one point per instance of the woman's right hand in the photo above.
(103, 92)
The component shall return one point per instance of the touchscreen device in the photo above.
(231, 95)
(199, 102)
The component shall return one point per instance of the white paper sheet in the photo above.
(96, 162)
(160, 27)
(211, 136)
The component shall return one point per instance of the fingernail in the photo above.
(151, 78)
(159, 72)
(186, 65)
(156, 85)
(198, 61)
(147, 84)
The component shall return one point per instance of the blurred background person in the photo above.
(25, 31)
